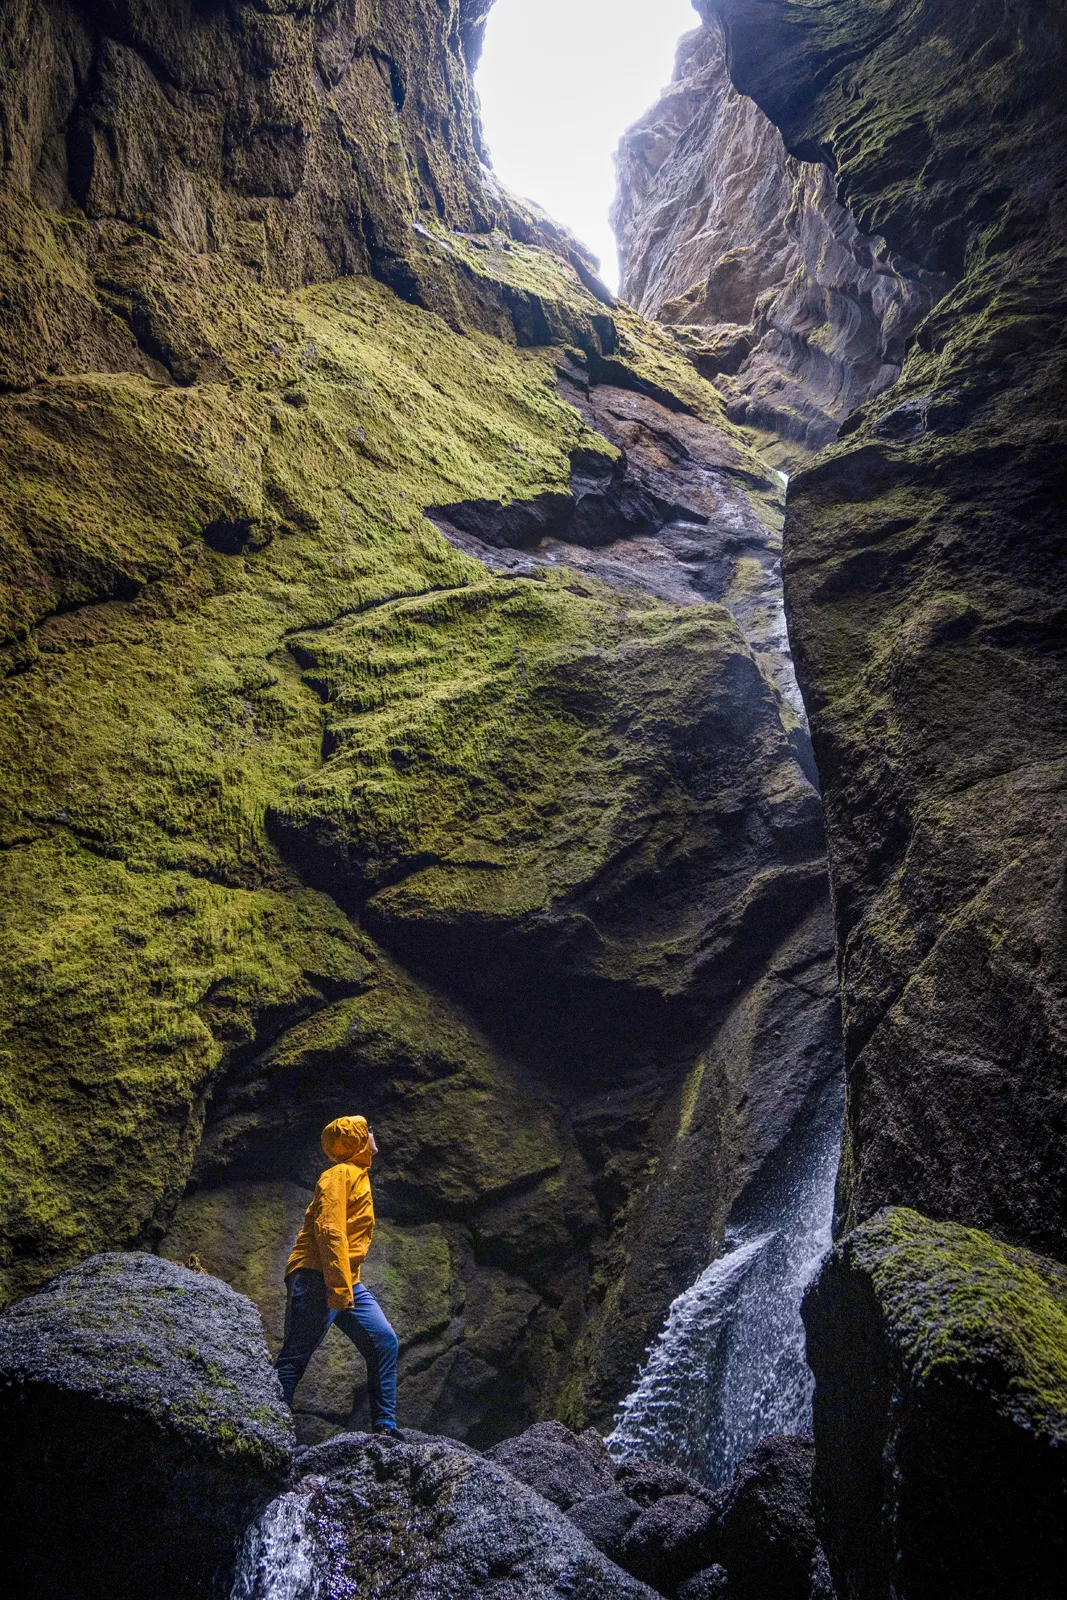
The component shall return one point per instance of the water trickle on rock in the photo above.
(276, 1560)
(729, 1367)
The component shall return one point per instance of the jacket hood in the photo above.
(348, 1139)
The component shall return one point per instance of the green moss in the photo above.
(492, 749)
(212, 585)
(962, 1306)
(148, 921)
(690, 1095)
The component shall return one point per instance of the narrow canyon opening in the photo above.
(569, 732)
(770, 288)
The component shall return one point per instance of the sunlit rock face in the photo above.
(746, 251)
(926, 589)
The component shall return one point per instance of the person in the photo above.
(322, 1273)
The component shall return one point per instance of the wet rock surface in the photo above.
(562, 1467)
(711, 1584)
(755, 1538)
(940, 1357)
(672, 1540)
(677, 515)
(423, 1518)
(749, 255)
(141, 1426)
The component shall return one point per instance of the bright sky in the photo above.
(560, 82)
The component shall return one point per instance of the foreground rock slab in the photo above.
(422, 1518)
(141, 1427)
(940, 1359)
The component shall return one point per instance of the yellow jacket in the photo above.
(339, 1222)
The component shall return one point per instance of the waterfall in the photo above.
(277, 1561)
(729, 1366)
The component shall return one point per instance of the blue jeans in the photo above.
(307, 1319)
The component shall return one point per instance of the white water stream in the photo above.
(729, 1366)
(277, 1560)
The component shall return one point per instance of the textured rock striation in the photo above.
(306, 807)
(925, 589)
(674, 515)
(141, 1428)
(940, 1412)
(305, 141)
(926, 586)
(749, 255)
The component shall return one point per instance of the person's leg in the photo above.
(307, 1317)
(368, 1328)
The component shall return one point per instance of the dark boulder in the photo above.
(671, 1541)
(141, 1427)
(768, 1537)
(606, 1519)
(940, 1360)
(648, 1481)
(711, 1584)
(563, 1466)
(422, 1519)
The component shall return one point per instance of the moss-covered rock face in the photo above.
(940, 1358)
(306, 138)
(925, 588)
(304, 808)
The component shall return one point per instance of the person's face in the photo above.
(373, 1142)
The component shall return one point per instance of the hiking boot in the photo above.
(384, 1429)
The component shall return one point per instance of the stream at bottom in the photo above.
(729, 1366)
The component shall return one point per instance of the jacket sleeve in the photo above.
(331, 1230)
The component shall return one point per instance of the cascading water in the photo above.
(729, 1366)
(277, 1560)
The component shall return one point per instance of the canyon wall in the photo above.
(925, 585)
(852, 217)
(747, 253)
(397, 713)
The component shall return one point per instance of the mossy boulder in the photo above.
(141, 1427)
(509, 785)
(940, 1360)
